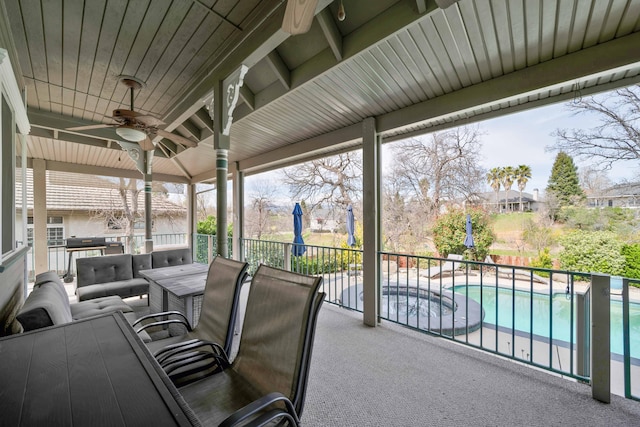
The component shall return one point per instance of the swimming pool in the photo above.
(514, 309)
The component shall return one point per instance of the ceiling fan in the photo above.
(137, 127)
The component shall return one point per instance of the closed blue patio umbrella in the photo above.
(351, 240)
(468, 240)
(298, 243)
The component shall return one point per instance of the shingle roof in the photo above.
(90, 193)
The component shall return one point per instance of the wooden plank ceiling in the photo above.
(413, 66)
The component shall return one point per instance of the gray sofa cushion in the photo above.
(48, 305)
(140, 262)
(98, 306)
(47, 276)
(44, 307)
(103, 269)
(123, 288)
(171, 257)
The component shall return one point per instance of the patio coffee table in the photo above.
(92, 372)
(179, 287)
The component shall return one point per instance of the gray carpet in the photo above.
(391, 376)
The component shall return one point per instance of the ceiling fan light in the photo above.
(130, 133)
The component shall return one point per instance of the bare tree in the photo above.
(205, 203)
(334, 182)
(594, 182)
(440, 168)
(258, 216)
(123, 211)
(617, 136)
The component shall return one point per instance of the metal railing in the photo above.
(206, 248)
(339, 267)
(58, 257)
(630, 334)
(535, 316)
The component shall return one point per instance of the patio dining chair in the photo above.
(218, 312)
(266, 382)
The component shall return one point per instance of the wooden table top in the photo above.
(92, 372)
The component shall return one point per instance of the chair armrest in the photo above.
(169, 352)
(258, 405)
(164, 322)
(193, 360)
(164, 313)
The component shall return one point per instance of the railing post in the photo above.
(582, 328)
(601, 334)
(209, 248)
(287, 256)
(626, 339)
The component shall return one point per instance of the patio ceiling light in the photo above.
(130, 133)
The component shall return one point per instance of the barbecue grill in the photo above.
(75, 244)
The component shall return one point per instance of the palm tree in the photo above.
(523, 174)
(494, 180)
(507, 177)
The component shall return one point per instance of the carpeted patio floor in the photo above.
(392, 376)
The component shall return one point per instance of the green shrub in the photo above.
(449, 232)
(631, 255)
(543, 260)
(592, 252)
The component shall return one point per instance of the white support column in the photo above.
(192, 218)
(371, 220)
(221, 193)
(225, 98)
(40, 216)
(238, 212)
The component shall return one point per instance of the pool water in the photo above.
(501, 311)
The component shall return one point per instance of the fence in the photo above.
(58, 257)
(535, 316)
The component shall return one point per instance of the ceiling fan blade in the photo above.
(100, 126)
(177, 138)
(147, 145)
(149, 121)
(298, 16)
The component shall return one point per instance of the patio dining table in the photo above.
(93, 372)
(178, 287)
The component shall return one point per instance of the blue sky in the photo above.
(522, 138)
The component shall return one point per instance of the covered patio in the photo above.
(231, 94)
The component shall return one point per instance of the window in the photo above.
(55, 231)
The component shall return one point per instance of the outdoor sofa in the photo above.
(120, 274)
(48, 305)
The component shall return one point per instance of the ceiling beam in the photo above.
(292, 153)
(247, 97)
(331, 32)
(279, 68)
(587, 63)
(187, 129)
(265, 35)
(422, 6)
(366, 37)
(104, 171)
(202, 115)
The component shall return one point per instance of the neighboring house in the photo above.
(509, 201)
(323, 221)
(89, 206)
(626, 195)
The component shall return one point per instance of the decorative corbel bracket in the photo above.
(142, 158)
(231, 88)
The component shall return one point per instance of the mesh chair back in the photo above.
(220, 301)
(275, 341)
